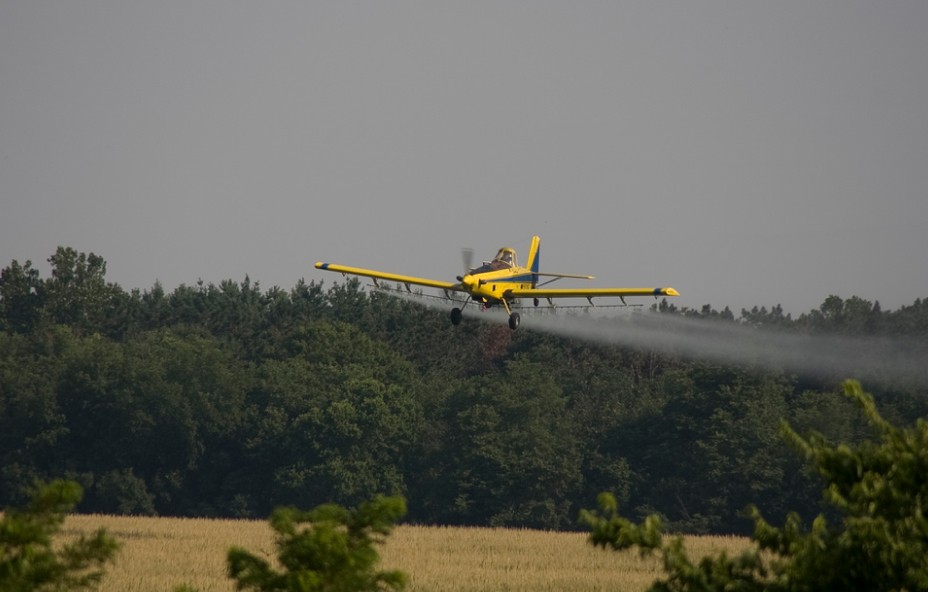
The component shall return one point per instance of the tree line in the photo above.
(230, 400)
(878, 540)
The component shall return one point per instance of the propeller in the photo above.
(467, 257)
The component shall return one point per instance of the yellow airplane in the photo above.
(502, 282)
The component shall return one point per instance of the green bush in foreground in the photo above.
(327, 549)
(28, 562)
(880, 490)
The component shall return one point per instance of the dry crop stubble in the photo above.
(160, 554)
(163, 553)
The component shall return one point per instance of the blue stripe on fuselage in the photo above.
(528, 278)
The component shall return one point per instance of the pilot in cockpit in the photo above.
(506, 256)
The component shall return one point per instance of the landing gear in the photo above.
(514, 319)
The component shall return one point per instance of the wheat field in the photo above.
(160, 554)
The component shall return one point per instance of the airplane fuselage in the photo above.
(493, 286)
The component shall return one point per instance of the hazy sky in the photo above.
(745, 153)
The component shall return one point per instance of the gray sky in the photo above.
(745, 153)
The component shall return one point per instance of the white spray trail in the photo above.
(820, 356)
(883, 360)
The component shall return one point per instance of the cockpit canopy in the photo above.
(506, 256)
(505, 259)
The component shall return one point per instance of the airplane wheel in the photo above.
(456, 316)
(514, 321)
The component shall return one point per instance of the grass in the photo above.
(160, 554)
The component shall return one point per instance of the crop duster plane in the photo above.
(502, 282)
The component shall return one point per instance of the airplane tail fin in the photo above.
(533, 259)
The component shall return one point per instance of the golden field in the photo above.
(163, 553)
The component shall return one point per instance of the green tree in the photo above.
(21, 297)
(32, 426)
(708, 445)
(910, 320)
(77, 294)
(121, 415)
(28, 559)
(510, 457)
(335, 420)
(878, 488)
(854, 316)
(761, 317)
(329, 548)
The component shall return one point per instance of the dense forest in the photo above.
(230, 400)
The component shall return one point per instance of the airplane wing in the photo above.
(589, 292)
(392, 277)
